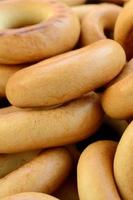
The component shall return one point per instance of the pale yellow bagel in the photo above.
(26, 129)
(35, 29)
(43, 174)
(66, 77)
(73, 2)
(10, 162)
(124, 29)
(30, 196)
(99, 20)
(123, 164)
(95, 174)
(117, 100)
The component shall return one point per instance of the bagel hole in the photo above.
(108, 33)
(15, 18)
(4, 102)
(100, 90)
(23, 24)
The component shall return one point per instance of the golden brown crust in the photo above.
(47, 36)
(23, 129)
(95, 173)
(124, 29)
(99, 19)
(117, 100)
(11, 162)
(43, 174)
(66, 77)
(123, 164)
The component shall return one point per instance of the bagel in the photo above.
(11, 162)
(73, 2)
(43, 174)
(66, 77)
(99, 21)
(34, 30)
(30, 196)
(27, 129)
(117, 100)
(95, 174)
(123, 164)
(123, 32)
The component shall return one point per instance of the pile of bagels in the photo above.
(66, 100)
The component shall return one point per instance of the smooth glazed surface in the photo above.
(124, 29)
(95, 173)
(34, 30)
(66, 77)
(43, 174)
(123, 164)
(11, 162)
(117, 100)
(24, 129)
